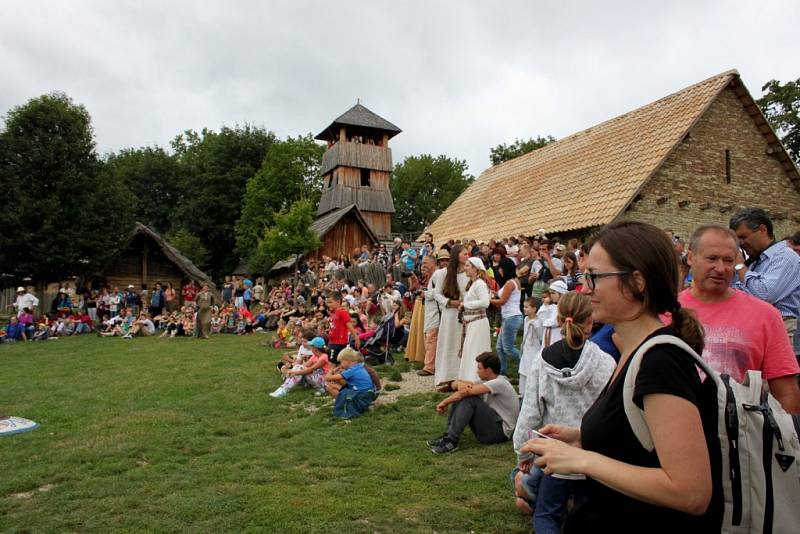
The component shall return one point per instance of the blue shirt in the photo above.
(357, 377)
(775, 278)
(409, 257)
(14, 331)
(602, 338)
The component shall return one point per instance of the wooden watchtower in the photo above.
(356, 167)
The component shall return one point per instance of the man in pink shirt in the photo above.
(741, 331)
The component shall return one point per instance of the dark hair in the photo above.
(489, 360)
(571, 255)
(500, 250)
(698, 234)
(450, 287)
(752, 218)
(335, 295)
(637, 246)
(794, 238)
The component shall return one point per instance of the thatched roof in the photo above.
(361, 117)
(174, 255)
(589, 178)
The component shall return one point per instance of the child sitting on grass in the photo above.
(351, 384)
(311, 372)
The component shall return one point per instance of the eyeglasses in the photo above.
(591, 278)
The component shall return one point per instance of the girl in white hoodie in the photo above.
(562, 385)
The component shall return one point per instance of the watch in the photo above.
(739, 266)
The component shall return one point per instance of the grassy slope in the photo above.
(177, 435)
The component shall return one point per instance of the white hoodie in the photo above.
(562, 396)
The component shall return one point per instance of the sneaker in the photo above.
(278, 393)
(435, 441)
(320, 392)
(127, 336)
(445, 446)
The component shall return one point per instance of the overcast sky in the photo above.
(456, 77)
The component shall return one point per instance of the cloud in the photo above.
(457, 77)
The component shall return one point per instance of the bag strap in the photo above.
(634, 413)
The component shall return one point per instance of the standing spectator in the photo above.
(477, 338)
(432, 277)
(189, 292)
(25, 300)
(503, 266)
(449, 296)
(157, 300)
(113, 300)
(258, 291)
(227, 291)
(171, 298)
(509, 300)
(408, 257)
(397, 250)
(341, 326)
(772, 270)
(62, 305)
(132, 300)
(741, 331)
(205, 300)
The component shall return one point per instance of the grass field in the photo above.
(180, 435)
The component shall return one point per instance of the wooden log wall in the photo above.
(359, 155)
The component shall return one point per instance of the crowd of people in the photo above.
(581, 309)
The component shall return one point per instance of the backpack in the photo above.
(759, 477)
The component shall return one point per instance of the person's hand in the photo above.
(739, 257)
(568, 434)
(525, 466)
(357, 343)
(556, 457)
(441, 407)
(461, 306)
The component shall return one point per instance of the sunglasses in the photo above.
(591, 278)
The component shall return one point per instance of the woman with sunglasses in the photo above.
(632, 279)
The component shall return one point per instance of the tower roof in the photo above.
(361, 117)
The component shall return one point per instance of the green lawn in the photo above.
(180, 435)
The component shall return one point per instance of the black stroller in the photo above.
(379, 346)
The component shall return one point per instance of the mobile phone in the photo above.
(533, 434)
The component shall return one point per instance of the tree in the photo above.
(291, 172)
(781, 105)
(504, 152)
(190, 246)
(423, 187)
(289, 234)
(152, 175)
(60, 217)
(215, 168)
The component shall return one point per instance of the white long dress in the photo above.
(478, 338)
(450, 330)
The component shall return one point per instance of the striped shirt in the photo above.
(775, 278)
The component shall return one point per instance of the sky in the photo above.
(458, 77)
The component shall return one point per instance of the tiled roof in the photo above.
(581, 181)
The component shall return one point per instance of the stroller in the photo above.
(379, 346)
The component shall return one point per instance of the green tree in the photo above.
(291, 172)
(215, 168)
(152, 175)
(289, 234)
(423, 187)
(781, 105)
(190, 246)
(504, 152)
(60, 217)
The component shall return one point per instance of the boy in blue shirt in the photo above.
(351, 384)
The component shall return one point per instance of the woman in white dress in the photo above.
(477, 338)
(449, 296)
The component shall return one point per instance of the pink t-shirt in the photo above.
(326, 367)
(743, 333)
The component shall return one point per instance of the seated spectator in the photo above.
(490, 408)
(311, 372)
(142, 326)
(352, 385)
(15, 331)
(119, 326)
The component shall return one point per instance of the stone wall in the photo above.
(691, 187)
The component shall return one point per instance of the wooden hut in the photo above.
(356, 168)
(149, 258)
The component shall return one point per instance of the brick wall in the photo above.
(690, 188)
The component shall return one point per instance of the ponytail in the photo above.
(688, 328)
(574, 309)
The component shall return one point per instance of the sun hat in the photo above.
(477, 263)
(559, 286)
(130, 286)
(317, 343)
(62, 290)
(20, 289)
(561, 247)
(444, 254)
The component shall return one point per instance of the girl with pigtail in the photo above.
(561, 386)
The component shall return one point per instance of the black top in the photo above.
(605, 429)
(561, 356)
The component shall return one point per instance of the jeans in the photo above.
(506, 340)
(485, 423)
(551, 502)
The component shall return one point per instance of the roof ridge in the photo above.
(730, 72)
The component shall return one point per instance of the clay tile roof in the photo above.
(359, 116)
(581, 181)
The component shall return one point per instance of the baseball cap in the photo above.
(317, 342)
